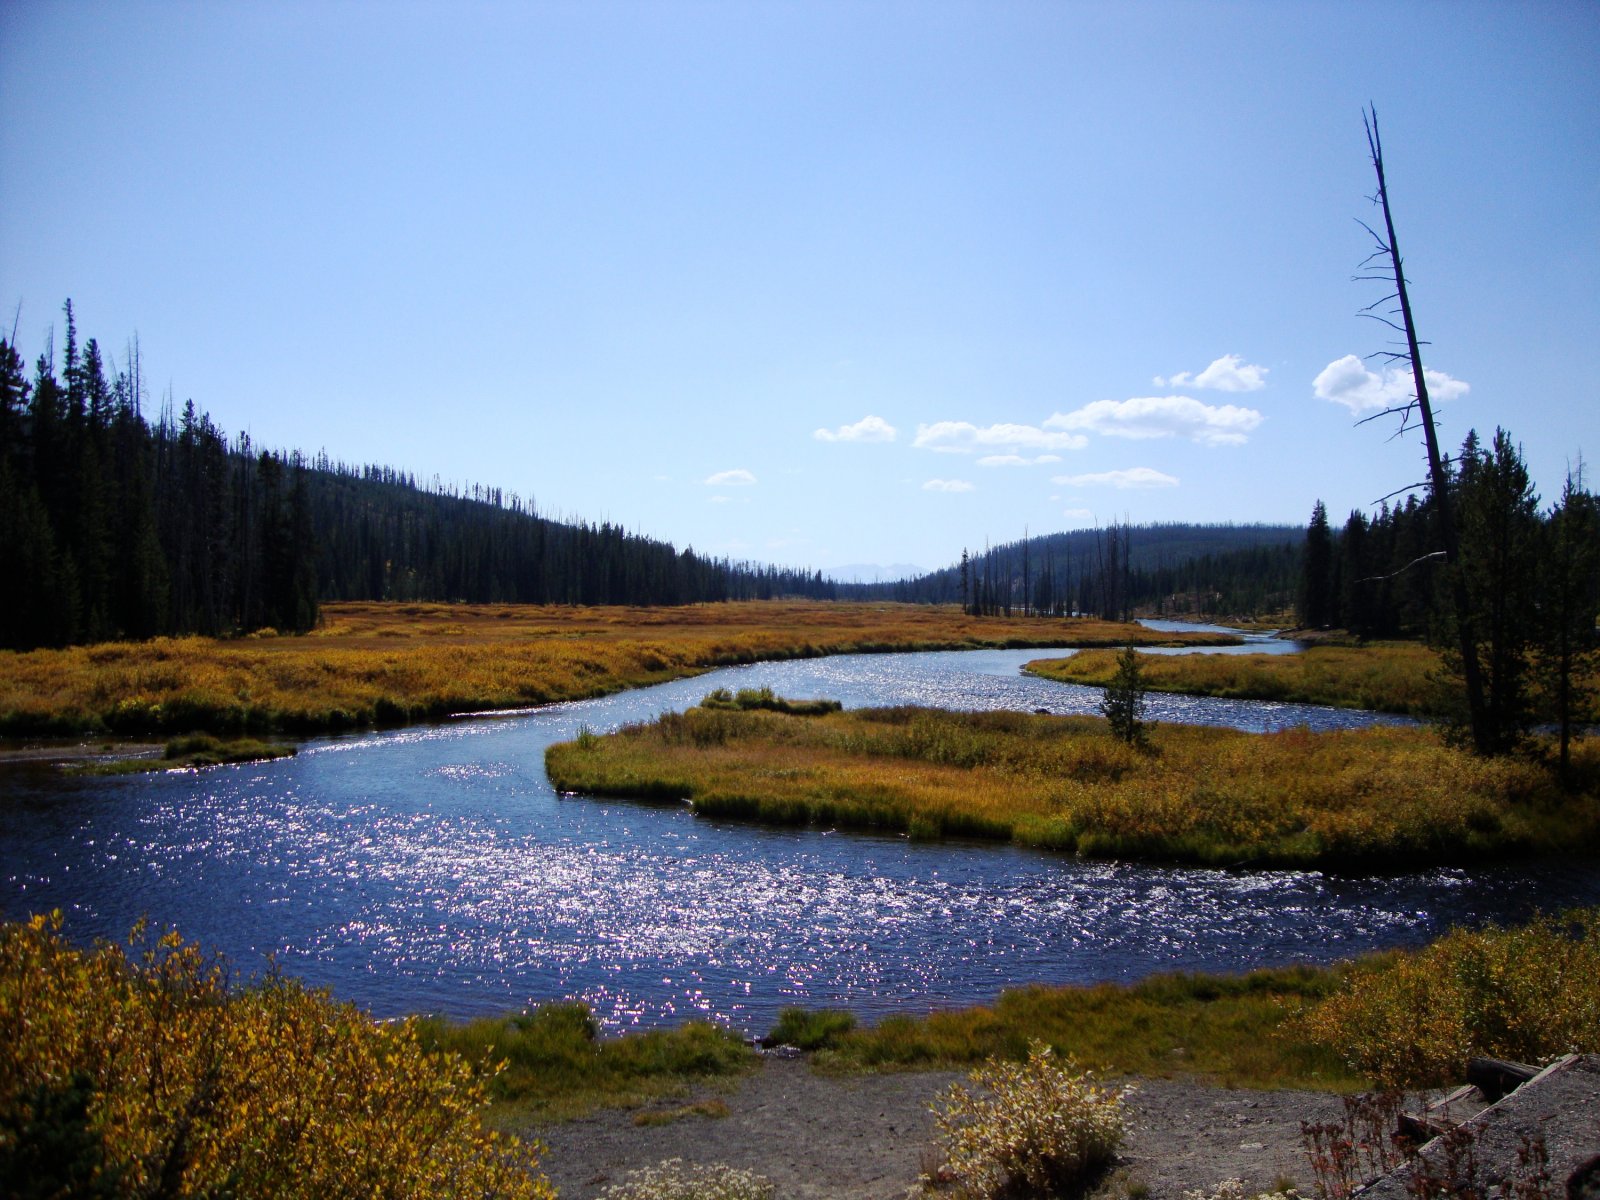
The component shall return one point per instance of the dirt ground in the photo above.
(870, 1137)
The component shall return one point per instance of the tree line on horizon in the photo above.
(114, 526)
(1206, 570)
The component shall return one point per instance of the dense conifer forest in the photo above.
(1208, 570)
(112, 525)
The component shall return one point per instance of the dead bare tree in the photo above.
(1385, 264)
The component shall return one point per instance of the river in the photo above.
(434, 869)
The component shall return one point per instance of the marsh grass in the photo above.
(1394, 677)
(192, 752)
(810, 1028)
(388, 664)
(1222, 1027)
(1372, 798)
(557, 1064)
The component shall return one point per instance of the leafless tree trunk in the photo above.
(1419, 408)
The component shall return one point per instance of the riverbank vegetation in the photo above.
(1401, 1018)
(1369, 798)
(192, 752)
(1392, 677)
(376, 664)
(557, 1064)
(144, 1072)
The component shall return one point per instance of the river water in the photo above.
(434, 869)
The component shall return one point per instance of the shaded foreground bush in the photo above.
(1413, 1019)
(148, 1075)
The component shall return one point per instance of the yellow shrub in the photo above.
(149, 1075)
(1414, 1019)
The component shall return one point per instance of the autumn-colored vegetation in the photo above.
(1400, 1018)
(371, 663)
(1393, 677)
(1364, 798)
(147, 1074)
(1413, 1019)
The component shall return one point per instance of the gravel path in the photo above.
(868, 1137)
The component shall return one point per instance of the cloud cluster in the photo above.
(1230, 373)
(963, 437)
(1163, 416)
(1133, 477)
(948, 485)
(868, 429)
(738, 477)
(1349, 382)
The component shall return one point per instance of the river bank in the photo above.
(370, 664)
(870, 1137)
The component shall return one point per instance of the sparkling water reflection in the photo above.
(434, 869)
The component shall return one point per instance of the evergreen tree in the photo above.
(1123, 704)
(1317, 596)
(1569, 597)
(1498, 512)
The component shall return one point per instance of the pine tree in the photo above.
(1123, 705)
(1317, 596)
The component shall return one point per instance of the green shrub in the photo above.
(810, 1029)
(1032, 1128)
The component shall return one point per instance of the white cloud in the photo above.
(1347, 381)
(735, 478)
(1016, 460)
(868, 429)
(1133, 477)
(1079, 515)
(719, 499)
(1230, 373)
(947, 485)
(963, 437)
(1163, 416)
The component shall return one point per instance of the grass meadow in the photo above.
(1368, 799)
(1392, 677)
(387, 664)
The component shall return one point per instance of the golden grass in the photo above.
(1367, 798)
(1394, 677)
(391, 663)
(1384, 677)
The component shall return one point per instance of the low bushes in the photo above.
(554, 1063)
(1031, 1129)
(673, 1180)
(150, 1076)
(1413, 1019)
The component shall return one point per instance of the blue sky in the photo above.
(820, 283)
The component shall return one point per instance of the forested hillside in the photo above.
(1202, 569)
(115, 526)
